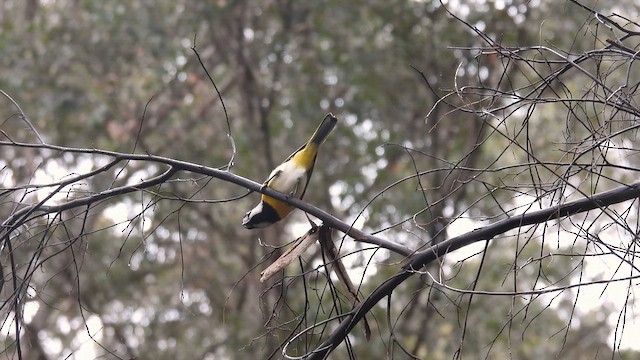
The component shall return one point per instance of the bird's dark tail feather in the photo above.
(324, 129)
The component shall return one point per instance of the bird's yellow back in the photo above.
(306, 156)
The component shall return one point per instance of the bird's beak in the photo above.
(246, 220)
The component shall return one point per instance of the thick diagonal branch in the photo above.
(426, 256)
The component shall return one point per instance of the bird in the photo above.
(291, 178)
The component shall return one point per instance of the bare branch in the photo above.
(426, 256)
(23, 116)
(178, 165)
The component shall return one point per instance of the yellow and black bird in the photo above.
(291, 177)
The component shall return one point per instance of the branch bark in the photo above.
(426, 256)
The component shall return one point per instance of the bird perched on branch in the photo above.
(291, 177)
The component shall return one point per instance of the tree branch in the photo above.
(426, 256)
(178, 165)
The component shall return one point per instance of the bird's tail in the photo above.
(323, 129)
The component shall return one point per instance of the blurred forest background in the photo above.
(440, 133)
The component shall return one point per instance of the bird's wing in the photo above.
(306, 180)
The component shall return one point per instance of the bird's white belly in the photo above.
(288, 178)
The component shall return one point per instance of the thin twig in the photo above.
(23, 116)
